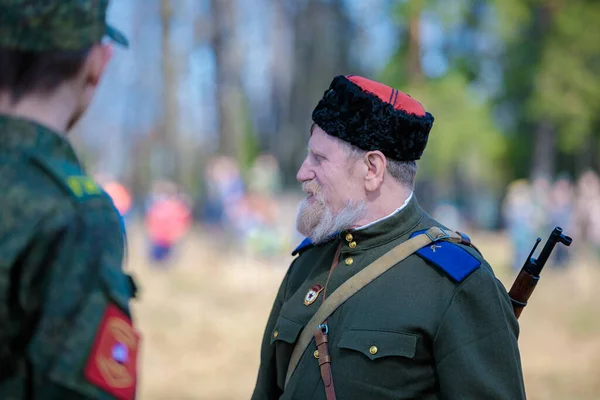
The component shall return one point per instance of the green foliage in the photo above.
(565, 92)
(550, 59)
(464, 137)
(551, 64)
(513, 16)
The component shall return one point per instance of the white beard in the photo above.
(317, 222)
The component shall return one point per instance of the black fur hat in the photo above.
(373, 116)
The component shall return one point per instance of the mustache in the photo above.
(311, 188)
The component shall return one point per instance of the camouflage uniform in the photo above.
(66, 330)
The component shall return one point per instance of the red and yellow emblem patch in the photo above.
(312, 294)
(113, 360)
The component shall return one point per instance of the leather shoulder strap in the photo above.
(359, 281)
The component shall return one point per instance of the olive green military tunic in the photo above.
(66, 329)
(435, 326)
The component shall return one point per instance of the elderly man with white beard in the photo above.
(382, 300)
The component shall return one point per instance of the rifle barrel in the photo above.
(555, 237)
(528, 277)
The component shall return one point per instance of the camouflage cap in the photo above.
(41, 25)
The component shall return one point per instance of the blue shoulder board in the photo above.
(305, 244)
(449, 257)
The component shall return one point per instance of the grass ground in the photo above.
(202, 321)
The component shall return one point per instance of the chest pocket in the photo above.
(379, 344)
(375, 359)
(286, 331)
(87, 363)
(284, 337)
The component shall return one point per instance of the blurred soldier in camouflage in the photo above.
(66, 329)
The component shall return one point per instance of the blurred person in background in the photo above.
(561, 210)
(265, 176)
(437, 325)
(542, 202)
(213, 208)
(225, 192)
(519, 217)
(119, 194)
(168, 219)
(586, 211)
(262, 212)
(66, 328)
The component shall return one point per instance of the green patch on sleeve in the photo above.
(69, 176)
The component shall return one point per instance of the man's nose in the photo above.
(304, 173)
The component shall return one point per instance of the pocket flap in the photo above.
(377, 344)
(286, 330)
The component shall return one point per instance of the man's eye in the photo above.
(318, 158)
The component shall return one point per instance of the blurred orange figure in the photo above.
(167, 222)
(120, 196)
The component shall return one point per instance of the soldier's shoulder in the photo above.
(65, 179)
(26, 192)
(456, 260)
(34, 185)
(28, 208)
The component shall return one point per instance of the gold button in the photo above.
(352, 245)
(373, 350)
(349, 261)
(349, 237)
(275, 334)
(316, 354)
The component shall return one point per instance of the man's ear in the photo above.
(89, 78)
(97, 61)
(376, 165)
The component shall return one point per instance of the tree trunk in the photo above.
(544, 151)
(415, 71)
(282, 73)
(319, 56)
(414, 67)
(164, 151)
(229, 93)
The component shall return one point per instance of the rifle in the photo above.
(529, 276)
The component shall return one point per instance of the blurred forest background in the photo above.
(512, 83)
(213, 101)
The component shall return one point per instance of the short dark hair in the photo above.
(403, 171)
(24, 72)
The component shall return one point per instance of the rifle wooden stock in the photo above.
(521, 290)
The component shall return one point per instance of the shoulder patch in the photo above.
(306, 243)
(449, 257)
(69, 176)
(112, 364)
